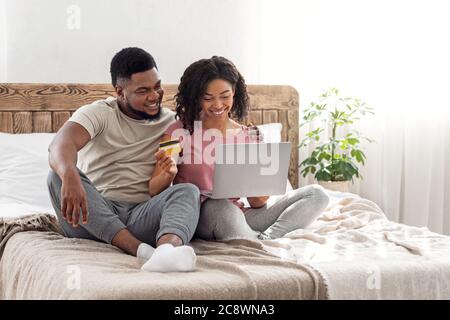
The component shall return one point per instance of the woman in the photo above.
(211, 92)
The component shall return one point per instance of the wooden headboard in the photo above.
(44, 107)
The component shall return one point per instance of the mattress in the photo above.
(45, 265)
(350, 252)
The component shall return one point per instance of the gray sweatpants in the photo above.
(175, 210)
(220, 219)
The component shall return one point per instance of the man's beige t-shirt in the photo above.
(120, 156)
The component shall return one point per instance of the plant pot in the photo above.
(342, 186)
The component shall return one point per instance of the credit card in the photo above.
(170, 147)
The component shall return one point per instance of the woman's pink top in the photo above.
(196, 165)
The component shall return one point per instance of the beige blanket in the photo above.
(46, 265)
(351, 252)
(362, 255)
(32, 222)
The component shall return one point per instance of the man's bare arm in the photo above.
(63, 159)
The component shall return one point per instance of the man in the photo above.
(116, 140)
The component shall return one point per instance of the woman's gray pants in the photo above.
(220, 219)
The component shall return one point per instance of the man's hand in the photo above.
(73, 198)
(166, 163)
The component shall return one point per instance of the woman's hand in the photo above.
(238, 203)
(257, 202)
(254, 133)
(166, 164)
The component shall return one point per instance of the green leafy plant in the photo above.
(336, 154)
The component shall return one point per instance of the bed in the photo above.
(350, 252)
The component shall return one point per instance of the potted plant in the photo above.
(336, 144)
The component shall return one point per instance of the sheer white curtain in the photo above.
(393, 55)
(408, 171)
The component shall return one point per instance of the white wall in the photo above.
(43, 48)
(3, 41)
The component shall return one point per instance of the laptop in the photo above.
(250, 169)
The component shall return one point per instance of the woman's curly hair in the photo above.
(193, 85)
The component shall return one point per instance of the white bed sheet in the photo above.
(18, 210)
(23, 173)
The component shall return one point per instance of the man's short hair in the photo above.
(128, 61)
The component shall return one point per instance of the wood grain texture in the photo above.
(42, 121)
(292, 125)
(270, 116)
(275, 97)
(283, 118)
(23, 122)
(6, 122)
(255, 117)
(50, 97)
(69, 97)
(58, 119)
(41, 107)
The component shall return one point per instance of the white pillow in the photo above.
(271, 132)
(23, 171)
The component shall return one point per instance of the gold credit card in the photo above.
(170, 147)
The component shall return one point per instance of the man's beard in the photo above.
(143, 115)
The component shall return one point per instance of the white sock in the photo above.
(167, 258)
(144, 251)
